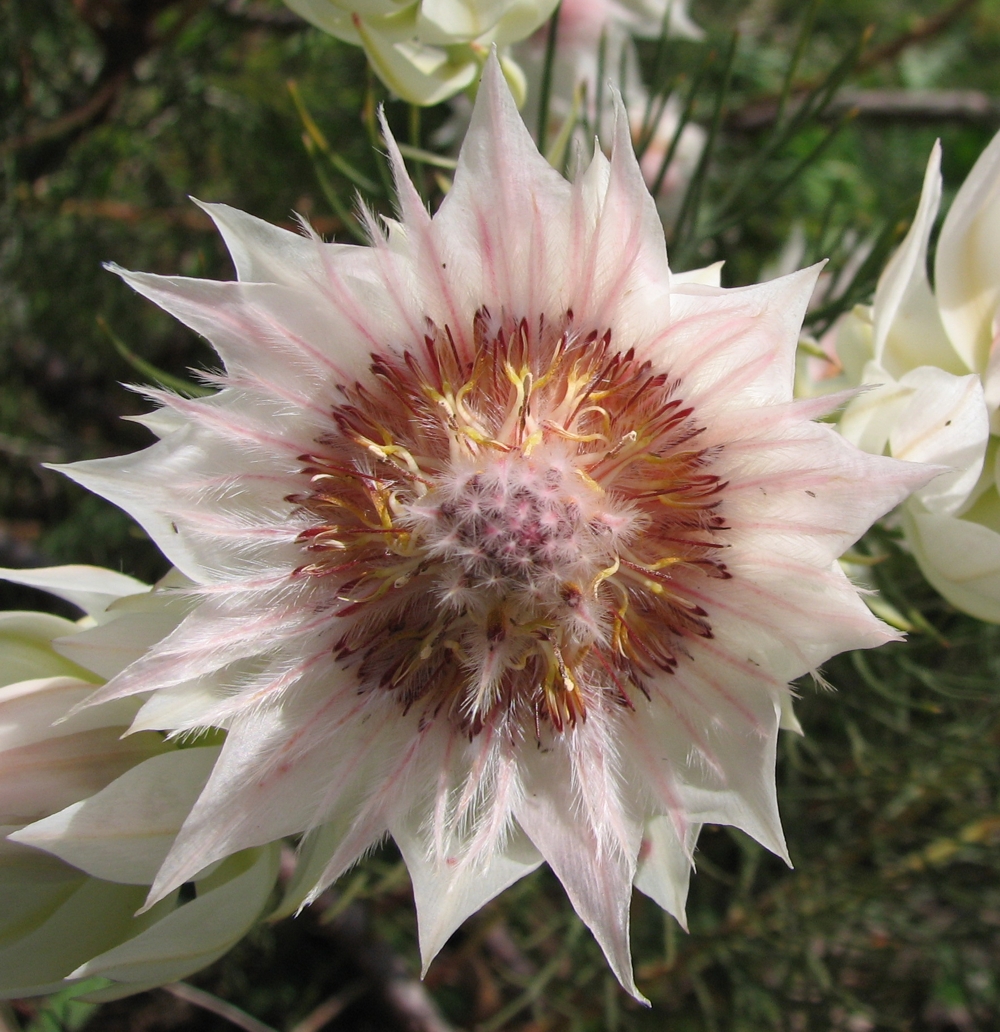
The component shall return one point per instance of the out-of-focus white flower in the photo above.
(931, 362)
(583, 24)
(508, 541)
(87, 814)
(683, 163)
(585, 29)
(820, 367)
(430, 50)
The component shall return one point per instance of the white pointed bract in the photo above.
(508, 544)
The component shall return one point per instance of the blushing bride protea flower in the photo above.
(507, 541)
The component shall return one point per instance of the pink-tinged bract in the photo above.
(507, 541)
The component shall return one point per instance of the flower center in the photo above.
(526, 530)
(515, 534)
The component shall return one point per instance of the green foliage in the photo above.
(64, 1012)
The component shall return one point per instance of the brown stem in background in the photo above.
(973, 107)
(762, 112)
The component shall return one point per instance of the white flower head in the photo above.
(428, 51)
(88, 812)
(931, 363)
(508, 541)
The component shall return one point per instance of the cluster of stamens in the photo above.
(508, 534)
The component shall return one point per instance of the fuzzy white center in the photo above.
(527, 533)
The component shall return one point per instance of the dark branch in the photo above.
(921, 106)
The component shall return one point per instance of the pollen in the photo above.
(513, 535)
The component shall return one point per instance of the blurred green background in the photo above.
(112, 112)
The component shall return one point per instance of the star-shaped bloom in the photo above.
(507, 541)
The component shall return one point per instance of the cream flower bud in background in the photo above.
(506, 540)
(930, 361)
(430, 50)
(584, 27)
(88, 812)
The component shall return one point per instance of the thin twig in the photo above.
(537, 986)
(322, 1015)
(223, 1009)
(919, 105)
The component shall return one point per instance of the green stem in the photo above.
(546, 87)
